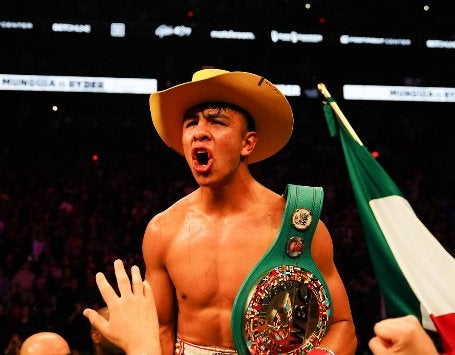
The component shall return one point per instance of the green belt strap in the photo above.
(303, 205)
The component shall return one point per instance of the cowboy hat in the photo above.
(268, 107)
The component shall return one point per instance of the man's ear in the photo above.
(249, 142)
(96, 337)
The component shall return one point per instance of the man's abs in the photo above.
(210, 326)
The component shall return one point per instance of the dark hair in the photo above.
(220, 105)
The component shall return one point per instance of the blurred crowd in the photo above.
(62, 221)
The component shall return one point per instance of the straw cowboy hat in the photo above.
(268, 107)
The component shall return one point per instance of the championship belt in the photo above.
(284, 305)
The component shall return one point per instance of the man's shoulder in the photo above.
(173, 213)
(179, 207)
(164, 225)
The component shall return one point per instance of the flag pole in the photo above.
(323, 90)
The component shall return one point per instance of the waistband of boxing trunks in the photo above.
(183, 347)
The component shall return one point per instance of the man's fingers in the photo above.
(106, 290)
(375, 345)
(124, 285)
(123, 281)
(393, 328)
(378, 345)
(148, 293)
(136, 280)
(96, 319)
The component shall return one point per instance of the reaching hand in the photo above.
(402, 335)
(133, 321)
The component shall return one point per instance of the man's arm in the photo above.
(341, 337)
(154, 247)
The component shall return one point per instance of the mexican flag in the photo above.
(415, 273)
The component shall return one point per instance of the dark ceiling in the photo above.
(141, 54)
(173, 60)
(386, 15)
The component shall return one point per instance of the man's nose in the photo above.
(201, 132)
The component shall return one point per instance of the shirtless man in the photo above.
(133, 324)
(199, 251)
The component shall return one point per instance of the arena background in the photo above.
(98, 152)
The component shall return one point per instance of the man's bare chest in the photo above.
(214, 259)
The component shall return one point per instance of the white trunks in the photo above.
(184, 348)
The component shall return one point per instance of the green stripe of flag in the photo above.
(370, 181)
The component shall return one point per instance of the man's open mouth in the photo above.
(202, 156)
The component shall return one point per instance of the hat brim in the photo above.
(268, 107)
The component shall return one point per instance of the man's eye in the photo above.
(189, 123)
